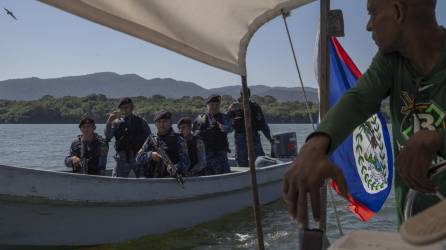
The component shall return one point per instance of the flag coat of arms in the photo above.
(365, 157)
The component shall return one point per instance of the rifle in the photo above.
(165, 159)
(84, 160)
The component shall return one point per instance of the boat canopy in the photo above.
(214, 32)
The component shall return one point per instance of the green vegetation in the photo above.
(70, 109)
(51, 110)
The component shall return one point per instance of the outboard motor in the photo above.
(285, 145)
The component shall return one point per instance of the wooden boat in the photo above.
(39, 207)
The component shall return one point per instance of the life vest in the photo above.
(130, 138)
(214, 139)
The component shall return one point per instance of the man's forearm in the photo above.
(109, 131)
(345, 116)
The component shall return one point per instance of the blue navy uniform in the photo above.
(215, 140)
(176, 149)
(258, 124)
(94, 154)
(130, 134)
(197, 155)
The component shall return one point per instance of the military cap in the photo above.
(213, 98)
(184, 120)
(124, 101)
(86, 120)
(162, 114)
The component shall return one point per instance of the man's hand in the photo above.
(415, 159)
(171, 170)
(76, 161)
(222, 128)
(112, 116)
(307, 175)
(155, 156)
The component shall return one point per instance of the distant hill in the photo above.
(116, 85)
(282, 94)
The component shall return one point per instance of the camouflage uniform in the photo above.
(176, 149)
(215, 141)
(95, 152)
(130, 133)
(197, 156)
(258, 124)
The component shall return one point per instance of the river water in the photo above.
(45, 146)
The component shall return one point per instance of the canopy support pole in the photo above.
(252, 167)
(324, 73)
(333, 203)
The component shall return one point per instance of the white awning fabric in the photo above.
(215, 32)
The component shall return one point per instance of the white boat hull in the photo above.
(51, 208)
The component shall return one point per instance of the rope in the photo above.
(285, 15)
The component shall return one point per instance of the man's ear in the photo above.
(399, 11)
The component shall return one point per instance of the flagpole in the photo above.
(324, 72)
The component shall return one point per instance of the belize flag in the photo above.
(365, 157)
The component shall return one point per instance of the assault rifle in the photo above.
(165, 159)
(84, 160)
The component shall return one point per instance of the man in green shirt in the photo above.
(410, 68)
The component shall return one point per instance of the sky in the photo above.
(48, 43)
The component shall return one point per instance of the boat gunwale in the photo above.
(39, 200)
(43, 200)
(125, 180)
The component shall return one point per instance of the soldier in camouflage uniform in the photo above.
(173, 145)
(212, 127)
(88, 152)
(195, 146)
(130, 132)
(258, 124)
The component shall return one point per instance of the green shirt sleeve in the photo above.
(359, 102)
(442, 151)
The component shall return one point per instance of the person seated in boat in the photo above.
(164, 153)
(195, 147)
(258, 122)
(213, 128)
(88, 151)
(130, 132)
(410, 68)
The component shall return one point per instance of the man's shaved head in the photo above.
(391, 20)
(423, 10)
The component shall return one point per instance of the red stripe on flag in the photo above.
(357, 208)
(345, 57)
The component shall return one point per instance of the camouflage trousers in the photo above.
(241, 148)
(217, 163)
